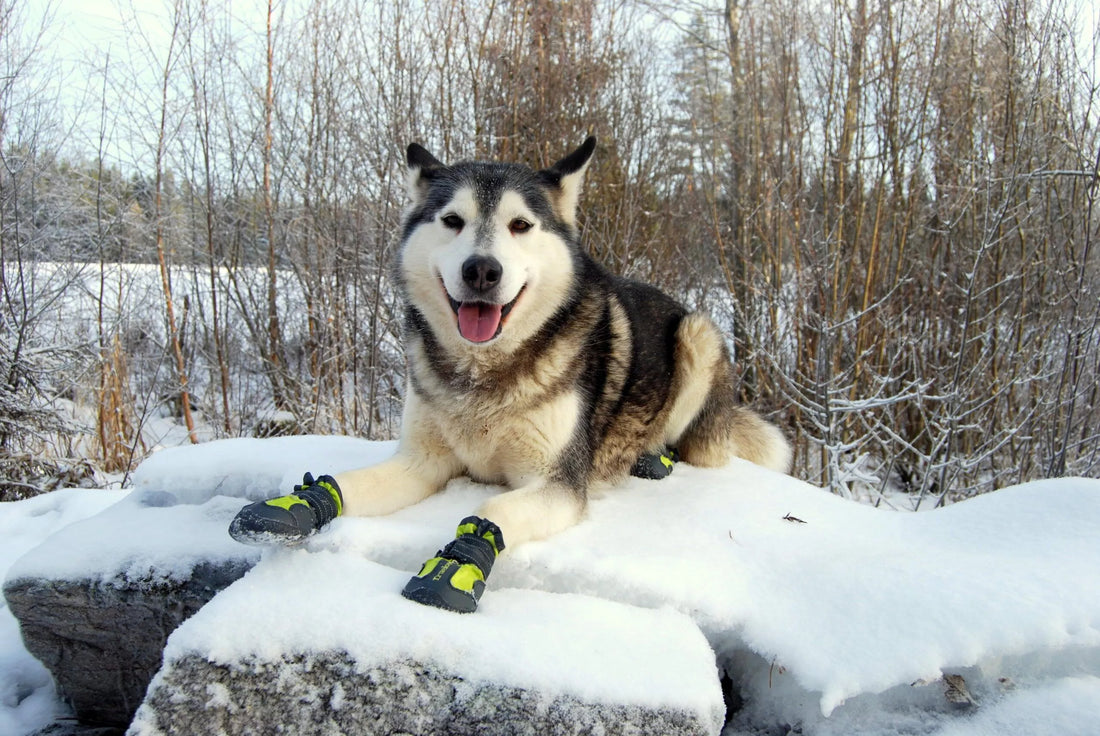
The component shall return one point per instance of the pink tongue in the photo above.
(478, 322)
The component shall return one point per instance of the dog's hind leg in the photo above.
(700, 355)
(705, 424)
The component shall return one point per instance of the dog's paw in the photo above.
(289, 519)
(655, 465)
(455, 578)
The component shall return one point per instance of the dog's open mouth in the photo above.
(479, 321)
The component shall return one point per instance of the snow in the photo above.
(143, 538)
(828, 615)
(252, 468)
(1066, 707)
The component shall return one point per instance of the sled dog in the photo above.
(532, 367)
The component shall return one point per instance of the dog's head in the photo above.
(489, 250)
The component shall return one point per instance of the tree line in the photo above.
(890, 206)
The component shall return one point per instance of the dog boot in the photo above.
(455, 578)
(289, 519)
(655, 465)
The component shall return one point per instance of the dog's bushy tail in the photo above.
(758, 440)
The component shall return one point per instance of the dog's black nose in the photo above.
(482, 273)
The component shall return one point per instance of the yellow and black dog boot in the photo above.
(455, 578)
(655, 465)
(289, 519)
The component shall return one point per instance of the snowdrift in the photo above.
(823, 613)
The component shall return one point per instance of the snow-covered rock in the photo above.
(824, 614)
(102, 642)
(28, 696)
(321, 643)
(97, 601)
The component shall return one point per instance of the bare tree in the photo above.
(890, 206)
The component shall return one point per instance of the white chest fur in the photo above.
(507, 445)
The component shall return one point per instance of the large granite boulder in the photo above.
(322, 643)
(97, 601)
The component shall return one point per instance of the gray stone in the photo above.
(330, 693)
(102, 641)
(75, 728)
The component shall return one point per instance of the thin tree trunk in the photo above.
(274, 332)
(175, 343)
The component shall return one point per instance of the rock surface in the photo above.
(101, 641)
(331, 694)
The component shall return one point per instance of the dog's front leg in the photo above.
(535, 511)
(422, 465)
(455, 578)
(405, 479)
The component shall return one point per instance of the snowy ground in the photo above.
(833, 617)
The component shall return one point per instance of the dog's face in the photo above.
(489, 250)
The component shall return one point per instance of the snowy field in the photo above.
(831, 617)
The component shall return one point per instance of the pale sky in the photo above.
(92, 23)
(84, 31)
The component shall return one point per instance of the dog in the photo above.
(533, 367)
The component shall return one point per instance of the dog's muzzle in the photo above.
(480, 317)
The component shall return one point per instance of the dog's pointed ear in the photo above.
(423, 166)
(565, 179)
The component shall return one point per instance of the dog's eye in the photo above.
(519, 226)
(453, 221)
